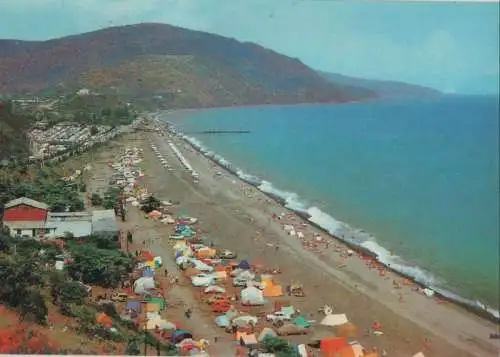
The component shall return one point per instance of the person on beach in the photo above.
(187, 312)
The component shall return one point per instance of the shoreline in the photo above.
(237, 216)
(468, 305)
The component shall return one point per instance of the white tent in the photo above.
(252, 296)
(142, 285)
(245, 320)
(198, 264)
(162, 324)
(334, 320)
(420, 354)
(245, 275)
(202, 280)
(214, 289)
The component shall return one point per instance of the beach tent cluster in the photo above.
(249, 303)
(185, 163)
(145, 305)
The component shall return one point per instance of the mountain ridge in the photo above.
(207, 69)
(383, 88)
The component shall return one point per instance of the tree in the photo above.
(133, 348)
(106, 112)
(279, 347)
(104, 267)
(150, 204)
(72, 292)
(96, 199)
(33, 306)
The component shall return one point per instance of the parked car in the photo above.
(278, 316)
(227, 254)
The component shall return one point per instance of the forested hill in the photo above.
(184, 67)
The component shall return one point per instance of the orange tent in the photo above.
(206, 253)
(330, 346)
(272, 290)
(373, 354)
(147, 255)
(104, 319)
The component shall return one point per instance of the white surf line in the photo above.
(183, 161)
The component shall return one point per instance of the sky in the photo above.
(453, 47)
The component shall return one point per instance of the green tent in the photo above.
(160, 301)
(301, 321)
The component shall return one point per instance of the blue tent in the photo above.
(134, 305)
(148, 273)
(178, 254)
(222, 321)
(179, 335)
(244, 265)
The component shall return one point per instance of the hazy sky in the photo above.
(449, 46)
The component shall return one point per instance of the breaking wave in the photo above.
(354, 237)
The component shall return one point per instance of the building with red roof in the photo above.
(26, 217)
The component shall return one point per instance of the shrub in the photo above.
(96, 200)
(19, 340)
(279, 347)
(33, 307)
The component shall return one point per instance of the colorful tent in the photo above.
(334, 320)
(244, 265)
(104, 319)
(134, 305)
(272, 289)
(301, 321)
(179, 335)
(330, 346)
(252, 296)
(145, 255)
(160, 301)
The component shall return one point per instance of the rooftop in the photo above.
(104, 221)
(26, 201)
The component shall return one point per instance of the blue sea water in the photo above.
(421, 176)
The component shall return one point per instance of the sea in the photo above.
(416, 181)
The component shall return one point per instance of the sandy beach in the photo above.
(236, 216)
